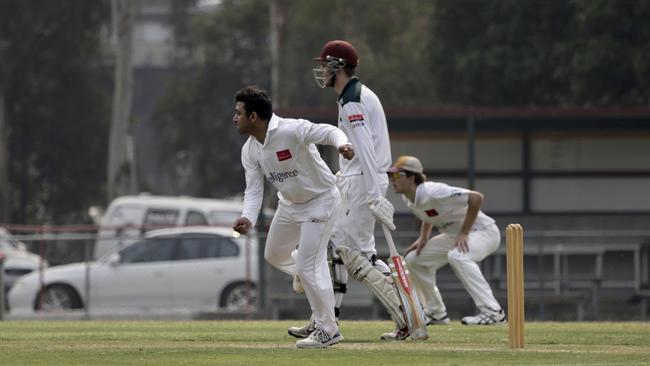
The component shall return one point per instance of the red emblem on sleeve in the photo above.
(432, 212)
(355, 117)
(283, 155)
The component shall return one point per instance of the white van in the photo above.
(128, 217)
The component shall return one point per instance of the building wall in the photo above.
(579, 171)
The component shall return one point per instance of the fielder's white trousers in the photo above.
(355, 227)
(439, 251)
(309, 226)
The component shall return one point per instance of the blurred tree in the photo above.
(390, 36)
(541, 52)
(412, 54)
(195, 118)
(55, 108)
(120, 170)
(233, 44)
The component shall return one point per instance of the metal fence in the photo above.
(585, 269)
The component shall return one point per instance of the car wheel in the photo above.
(240, 296)
(59, 297)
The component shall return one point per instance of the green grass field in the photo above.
(267, 343)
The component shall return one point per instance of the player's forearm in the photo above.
(253, 198)
(425, 230)
(324, 134)
(474, 202)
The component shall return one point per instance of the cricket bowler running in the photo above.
(282, 152)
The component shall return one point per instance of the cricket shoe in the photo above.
(319, 339)
(441, 320)
(297, 285)
(302, 332)
(396, 335)
(486, 318)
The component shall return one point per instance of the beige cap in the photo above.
(409, 163)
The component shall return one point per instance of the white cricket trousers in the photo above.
(308, 226)
(439, 251)
(355, 227)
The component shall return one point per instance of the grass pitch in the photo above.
(267, 343)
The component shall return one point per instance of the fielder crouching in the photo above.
(466, 236)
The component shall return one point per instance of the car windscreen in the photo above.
(223, 218)
(160, 217)
(149, 250)
(196, 246)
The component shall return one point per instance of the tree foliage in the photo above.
(541, 52)
(390, 37)
(56, 106)
(196, 115)
(412, 54)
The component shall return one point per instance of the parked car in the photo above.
(18, 260)
(185, 268)
(128, 217)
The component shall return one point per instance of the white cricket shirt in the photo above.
(289, 160)
(362, 118)
(444, 207)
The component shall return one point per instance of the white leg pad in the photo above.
(381, 285)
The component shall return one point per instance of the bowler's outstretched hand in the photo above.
(242, 225)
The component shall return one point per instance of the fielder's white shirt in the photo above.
(289, 160)
(445, 207)
(362, 118)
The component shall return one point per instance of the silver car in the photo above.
(18, 260)
(169, 270)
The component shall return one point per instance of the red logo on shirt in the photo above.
(355, 117)
(432, 212)
(283, 155)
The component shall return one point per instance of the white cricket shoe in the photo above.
(302, 332)
(486, 318)
(396, 335)
(441, 320)
(297, 285)
(319, 339)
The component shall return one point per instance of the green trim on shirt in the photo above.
(351, 92)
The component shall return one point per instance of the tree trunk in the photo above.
(5, 204)
(275, 54)
(119, 165)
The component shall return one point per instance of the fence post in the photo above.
(2, 286)
(87, 280)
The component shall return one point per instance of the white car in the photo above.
(18, 260)
(175, 269)
(128, 217)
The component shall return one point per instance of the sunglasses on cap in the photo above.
(396, 175)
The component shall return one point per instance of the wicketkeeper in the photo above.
(362, 182)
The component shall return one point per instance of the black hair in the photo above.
(349, 70)
(255, 100)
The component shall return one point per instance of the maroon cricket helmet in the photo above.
(340, 51)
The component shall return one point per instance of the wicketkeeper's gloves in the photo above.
(383, 211)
